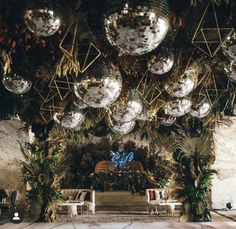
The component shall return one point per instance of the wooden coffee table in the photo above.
(72, 207)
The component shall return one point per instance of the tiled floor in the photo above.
(140, 222)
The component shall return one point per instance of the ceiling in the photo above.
(38, 58)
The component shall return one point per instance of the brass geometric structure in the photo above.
(148, 88)
(87, 54)
(62, 85)
(77, 56)
(43, 91)
(48, 109)
(211, 33)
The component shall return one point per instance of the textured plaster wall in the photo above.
(224, 184)
(10, 136)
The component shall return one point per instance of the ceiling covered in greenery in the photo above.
(117, 66)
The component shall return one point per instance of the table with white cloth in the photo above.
(72, 207)
(170, 206)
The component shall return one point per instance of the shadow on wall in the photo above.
(11, 179)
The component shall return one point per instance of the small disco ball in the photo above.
(126, 112)
(42, 20)
(168, 121)
(137, 27)
(100, 86)
(229, 47)
(123, 128)
(231, 70)
(16, 84)
(69, 120)
(185, 84)
(178, 107)
(162, 62)
(201, 110)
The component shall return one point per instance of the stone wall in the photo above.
(10, 154)
(224, 184)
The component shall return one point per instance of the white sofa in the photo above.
(82, 195)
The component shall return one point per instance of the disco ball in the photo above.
(229, 47)
(42, 21)
(185, 84)
(231, 70)
(69, 120)
(126, 112)
(178, 107)
(123, 128)
(137, 27)
(168, 121)
(162, 62)
(16, 84)
(202, 110)
(100, 86)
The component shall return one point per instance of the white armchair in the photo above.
(153, 200)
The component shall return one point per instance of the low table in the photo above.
(170, 205)
(72, 207)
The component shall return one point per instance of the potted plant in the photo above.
(194, 157)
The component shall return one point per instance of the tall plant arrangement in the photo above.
(43, 169)
(194, 157)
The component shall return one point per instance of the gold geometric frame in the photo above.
(148, 88)
(206, 36)
(69, 61)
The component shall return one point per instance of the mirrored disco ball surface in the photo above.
(183, 86)
(229, 47)
(123, 128)
(130, 111)
(69, 120)
(178, 107)
(230, 70)
(42, 22)
(100, 87)
(202, 110)
(168, 121)
(137, 27)
(162, 62)
(17, 84)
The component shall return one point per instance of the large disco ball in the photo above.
(178, 107)
(69, 120)
(137, 27)
(16, 84)
(123, 128)
(201, 110)
(185, 84)
(128, 111)
(42, 20)
(168, 121)
(231, 70)
(229, 47)
(162, 62)
(100, 86)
